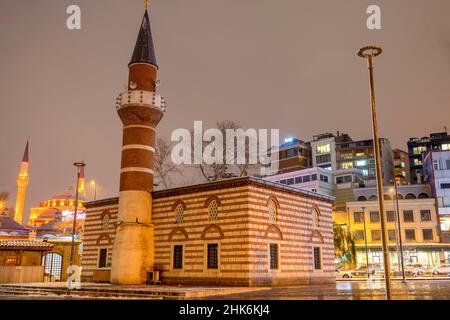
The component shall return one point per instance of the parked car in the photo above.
(412, 270)
(443, 269)
(355, 273)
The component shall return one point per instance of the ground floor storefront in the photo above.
(425, 256)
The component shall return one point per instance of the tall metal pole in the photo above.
(370, 53)
(78, 165)
(396, 229)
(365, 242)
(400, 234)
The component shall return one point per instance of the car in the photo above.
(443, 269)
(343, 273)
(411, 270)
(355, 273)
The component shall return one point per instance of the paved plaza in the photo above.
(342, 290)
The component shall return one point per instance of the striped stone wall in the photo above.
(98, 236)
(243, 230)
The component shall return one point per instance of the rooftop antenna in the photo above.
(445, 129)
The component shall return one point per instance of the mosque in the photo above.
(243, 231)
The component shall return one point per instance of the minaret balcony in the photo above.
(140, 97)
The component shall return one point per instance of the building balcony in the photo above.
(140, 97)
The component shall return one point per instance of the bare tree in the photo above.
(164, 167)
(220, 171)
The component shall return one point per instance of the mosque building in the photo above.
(242, 231)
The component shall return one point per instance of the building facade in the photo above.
(401, 167)
(313, 179)
(419, 147)
(241, 231)
(293, 155)
(418, 220)
(437, 172)
(360, 155)
(323, 148)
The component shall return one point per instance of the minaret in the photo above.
(22, 183)
(140, 110)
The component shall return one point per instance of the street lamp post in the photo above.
(365, 242)
(370, 53)
(78, 165)
(399, 226)
(392, 191)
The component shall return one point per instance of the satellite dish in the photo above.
(133, 85)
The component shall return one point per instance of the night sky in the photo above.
(285, 64)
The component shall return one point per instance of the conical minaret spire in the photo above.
(144, 50)
(22, 184)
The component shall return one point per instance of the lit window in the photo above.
(179, 214)
(61, 203)
(446, 146)
(213, 209)
(325, 148)
(346, 165)
(360, 154)
(419, 150)
(417, 162)
(273, 214)
(361, 163)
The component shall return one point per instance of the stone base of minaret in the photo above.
(134, 241)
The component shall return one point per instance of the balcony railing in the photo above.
(141, 97)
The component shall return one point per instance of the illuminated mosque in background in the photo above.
(54, 216)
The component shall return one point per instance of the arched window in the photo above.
(179, 214)
(272, 211)
(410, 196)
(315, 217)
(105, 221)
(213, 210)
(387, 197)
(423, 196)
(362, 198)
(373, 198)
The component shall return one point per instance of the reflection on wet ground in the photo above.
(354, 290)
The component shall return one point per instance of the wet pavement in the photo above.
(342, 290)
(353, 290)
